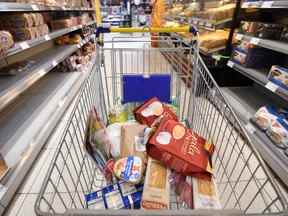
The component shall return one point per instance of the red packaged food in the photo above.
(180, 149)
(151, 110)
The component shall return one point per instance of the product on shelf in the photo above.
(213, 40)
(180, 149)
(262, 30)
(156, 193)
(176, 9)
(121, 195)
(279, 76)
(17, 68)
(256, 57)
(205, 194)
(6, 42)
(278, 132)
(191, 9)
(61, 23)
(19, 20)
(219, 13)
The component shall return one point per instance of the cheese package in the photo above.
(132, 142)
(156, 193)
(120, 195)
(205, 194)
(151, 110)
(180, 149)
(129, 169)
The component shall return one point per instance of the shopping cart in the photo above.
(244, 183)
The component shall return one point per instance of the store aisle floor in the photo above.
(24, 200)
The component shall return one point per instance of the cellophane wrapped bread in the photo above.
(19, 20)
(212, 40)
(63, 23)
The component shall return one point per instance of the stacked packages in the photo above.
(154, 150)
(24, 26)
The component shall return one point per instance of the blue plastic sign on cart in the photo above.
(138, 88)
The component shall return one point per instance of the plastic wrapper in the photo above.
(22, 34)
(6, 42)
(156, 193)
(114, 133)
(59, 24)
(130, 169)
(279, 76)
(98, 144)
(268, 114)
(19, 20)
(121, 195)
(278, 132)
(213, 40)
(118, 114)
(151, 110)
(180, 149)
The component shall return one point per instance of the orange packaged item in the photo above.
(151, 110)
(180, 149)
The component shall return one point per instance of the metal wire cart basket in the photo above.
(244, 183)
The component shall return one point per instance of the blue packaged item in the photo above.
(279, 76)
(121, 195)
(95, 200)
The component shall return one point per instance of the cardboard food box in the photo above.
(205, 194)
(156, 187)
(151, 110)
(180, 149)
(130, 141)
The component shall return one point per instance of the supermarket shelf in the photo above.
(210, 25)
(246, 101)
(265, 4)
(22, 7)
(12, 86)
(260, 77)
(211, 51)
(28, 122)
(21, 46)
(278, 46)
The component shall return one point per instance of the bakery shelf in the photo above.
(265, 4)
(275, 45)
(245, 101)
(27, 123)
(260, 77)
(210, 25)
(12, 86)
(21, 46)
(211, 51)
(22, 7)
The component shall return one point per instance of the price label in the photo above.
(63, 8)
(245, 5)
(78, 45)
(74, 28)
(35, 7)
(239, 36)
(54, 63)
(255, 41)
(24, 45)
(250, 128)
(272, 86)
(41, 72)
(209, 25)
(267, 4)
(201, 23)
(230, 64)
(47, 37)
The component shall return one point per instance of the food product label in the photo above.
(157, 178)
(114, 200)
(267, 4)
(271, 86)
(164, 138)
(35, 7)
(127, 188)
(24, 45)
(128, 168)
(47, 37)
(230, 64)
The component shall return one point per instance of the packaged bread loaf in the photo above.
(22, 34)
(131, 144)
(63, 23)
(156, 193)
(6, 42)
(19, 20)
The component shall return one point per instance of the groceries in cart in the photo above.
(154, 150)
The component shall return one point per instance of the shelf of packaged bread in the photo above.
(23, 7)
(260, 77)
(28, 122)
(209, 25)
(24, 45)
(275, 45)
(12, 86)
(265, 4)
(245, 101)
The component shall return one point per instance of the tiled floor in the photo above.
(23, 203)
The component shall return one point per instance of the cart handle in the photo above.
(104, 29)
